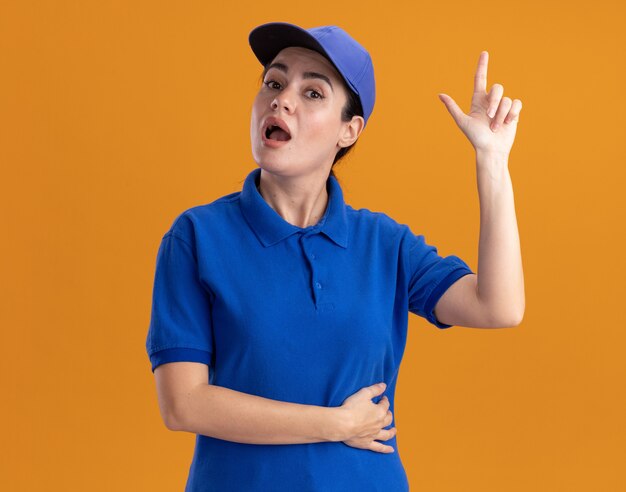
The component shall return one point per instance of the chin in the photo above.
(282, 164)
(273, 164)
(278, 168)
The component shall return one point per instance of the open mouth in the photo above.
(274, 132)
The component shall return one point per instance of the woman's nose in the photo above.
(283, 100)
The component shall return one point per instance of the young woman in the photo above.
(279, 308)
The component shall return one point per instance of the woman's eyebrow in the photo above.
(306, 75)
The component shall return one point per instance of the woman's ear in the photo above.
(351, 131)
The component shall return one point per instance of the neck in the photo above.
(301, 201)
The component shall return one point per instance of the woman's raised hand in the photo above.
(491, 123)
(366, 419)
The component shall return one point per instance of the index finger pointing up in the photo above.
(480, 79)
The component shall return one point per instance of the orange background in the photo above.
(116, 116)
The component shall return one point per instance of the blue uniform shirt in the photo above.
(304, 315)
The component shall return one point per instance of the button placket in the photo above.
(316, 285)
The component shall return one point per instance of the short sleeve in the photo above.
(430, 275)
(180, 324)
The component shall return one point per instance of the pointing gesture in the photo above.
(492, 121)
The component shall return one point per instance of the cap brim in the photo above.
(267, 40)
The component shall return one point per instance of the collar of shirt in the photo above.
(270, 228)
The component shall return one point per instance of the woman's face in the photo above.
(303, 89)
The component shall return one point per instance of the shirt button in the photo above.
(318, 285)
(313, 257)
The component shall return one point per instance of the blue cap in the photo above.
(350, 59)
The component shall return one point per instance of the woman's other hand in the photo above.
(491, 123)
(365, 419)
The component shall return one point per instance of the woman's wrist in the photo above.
(338, 424)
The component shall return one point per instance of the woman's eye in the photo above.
(270, 82)
(317, 95)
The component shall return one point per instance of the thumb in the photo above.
(377, 389)
(452, 107)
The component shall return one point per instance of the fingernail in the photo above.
(495, 127)
(382, 385)
(491, 113)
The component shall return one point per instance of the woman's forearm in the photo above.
(223, 413)
(500, 276)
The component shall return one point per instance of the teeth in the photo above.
(271, 128)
